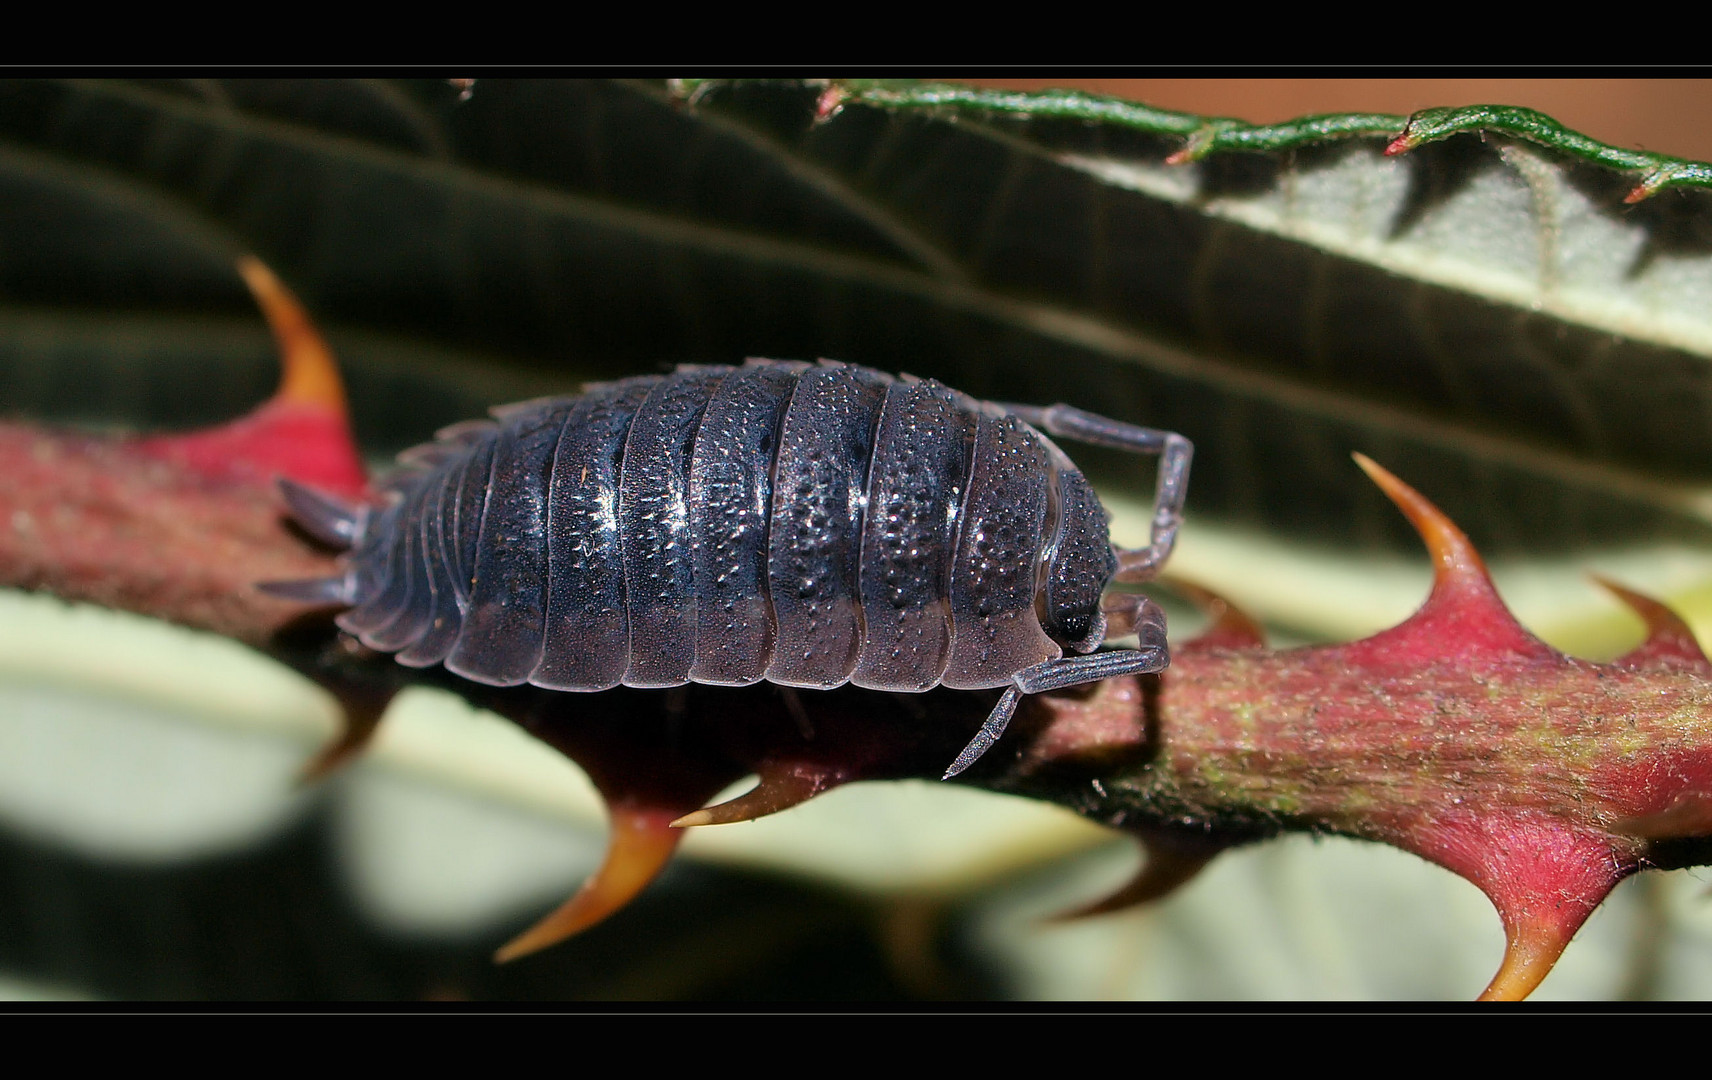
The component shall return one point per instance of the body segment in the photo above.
(916, 483)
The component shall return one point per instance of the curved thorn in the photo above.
(640, 844)
(1463, 615)
(776, 791)
(1530, 952)
(1166, 867)
(1228, 626)
(310, 374)
(303, 431)
(362, 715)
(1454, 557)
(1670, 642)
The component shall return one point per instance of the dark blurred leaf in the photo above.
(1486, 315)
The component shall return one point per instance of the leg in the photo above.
(1133, 613)
(1134, 564)
(1153, 656)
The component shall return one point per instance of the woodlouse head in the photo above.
(1078, 566)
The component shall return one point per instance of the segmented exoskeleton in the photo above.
(807, 524)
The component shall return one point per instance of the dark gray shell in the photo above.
(806, 524)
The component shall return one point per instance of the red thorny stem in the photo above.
(1543, 779)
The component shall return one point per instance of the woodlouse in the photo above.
(807, 524)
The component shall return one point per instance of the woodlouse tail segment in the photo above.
(321, 592)
(334, 522)
(641, 843)
(331, 520)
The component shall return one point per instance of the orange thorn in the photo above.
(310, 373)
(641, 843)
(362, 719)
(1463, 615)
(1670, 643)
(302, 433)
(777, 790)
(1228, 625)
(1166, 868)
(1530, 952)
(1454, 557)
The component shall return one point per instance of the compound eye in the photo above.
(1082, 565)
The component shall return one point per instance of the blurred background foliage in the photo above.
(1484, 316)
